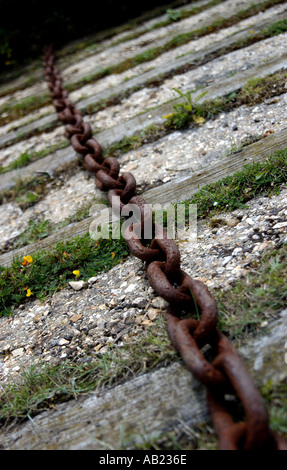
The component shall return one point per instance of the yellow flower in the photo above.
(113, 254)
(251, 31)
(27, 260)
(76, 272)
(198, 119)
(28, 293)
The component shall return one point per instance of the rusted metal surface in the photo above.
(225, 375)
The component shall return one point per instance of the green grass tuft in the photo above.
(232, 192)
(51, 271)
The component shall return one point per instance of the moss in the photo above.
(38, 229)
(271, 30)
(38, 185)
(28, 157)
(232, 192)
(26, 192)
(149, 134)
(22, 108)
(260, 88)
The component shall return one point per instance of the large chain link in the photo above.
(226, 374)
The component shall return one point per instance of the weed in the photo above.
(173, 15)
(28, 199)
(186, 112)
(51, 271)
(26, 191)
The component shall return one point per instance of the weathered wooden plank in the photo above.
(195, 58)
(140, 409)
(174, 191)
(184, 187)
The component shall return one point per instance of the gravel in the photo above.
(111, 308)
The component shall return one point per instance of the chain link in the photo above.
(227, 374)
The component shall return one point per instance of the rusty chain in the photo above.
(225, 375)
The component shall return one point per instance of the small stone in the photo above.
(257, 119)
(280, 225)
(159, 303)
(132, 167)
(140, 319)
(63, 342)
(235, 127)
(146, 323)
(76, 317)
(130, 288)
(232, 222)
(202, 279)
(236, 251)
(268, 132)
(226, 260)
(37, 318)
(139, 302)
(18, 352)
(152, 313)
(78, 285)
(263, 245)
(92, 280)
